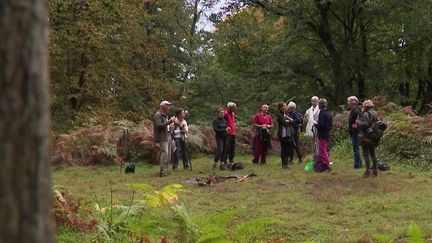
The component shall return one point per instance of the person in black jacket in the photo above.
(353, 129)
(285, 134)
(221, 135)
(296, 123)
(324, 127)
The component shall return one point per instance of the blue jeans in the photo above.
(356, 149)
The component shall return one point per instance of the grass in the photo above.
(340, 206)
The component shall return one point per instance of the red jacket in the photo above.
(260, 119)
(230, 120)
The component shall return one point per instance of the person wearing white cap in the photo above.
(353, 129)
(161, 125)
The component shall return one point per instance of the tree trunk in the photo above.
(361, 84)
(325, 35)
(25, 182)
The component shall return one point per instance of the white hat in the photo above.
(165, 102)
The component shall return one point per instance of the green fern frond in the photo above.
(141, 187)
(213, 226)
(414, 234)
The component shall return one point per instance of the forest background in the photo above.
(116, 60)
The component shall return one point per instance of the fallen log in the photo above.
(214, 180)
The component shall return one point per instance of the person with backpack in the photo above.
(179, 135)
(262, 122)
(370, 116)
(353, 129)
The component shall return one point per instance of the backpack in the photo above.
(374, 132)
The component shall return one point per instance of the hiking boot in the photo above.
(375, 172)
(254, 161)
(222, 166)
(367, 173)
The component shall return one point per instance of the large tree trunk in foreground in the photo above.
(25, 182)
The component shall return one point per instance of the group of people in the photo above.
(360, 121)
(170, 135)
(171, 132)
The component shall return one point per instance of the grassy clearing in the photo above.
(340, 206)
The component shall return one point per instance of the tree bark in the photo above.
(25, 181)
(325, 35)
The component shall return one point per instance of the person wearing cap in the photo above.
(262, 122)
(161, 126)
(353, 129)
(296, 122)
(229, 115)
(324, 126)
(369, 149)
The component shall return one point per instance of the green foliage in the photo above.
(247, 232)
(188, 230)
(380, 238)
(167, 196)
(342, 149)
(144, 217)
(213, 226)
(414, 234)
(408, 150)
(116, 59)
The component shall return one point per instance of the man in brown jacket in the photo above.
(161, 125)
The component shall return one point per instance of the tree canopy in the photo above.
(119, 59)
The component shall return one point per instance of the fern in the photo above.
(167, 196)
(380, 238)
(213, 226)
(109, 150)
(414, 234)
(248, 231)
(188, 230)
(141, 187)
